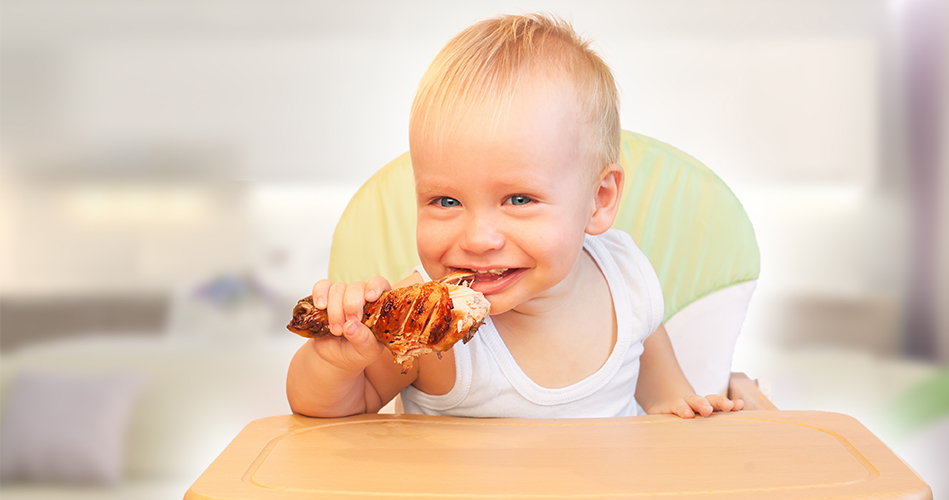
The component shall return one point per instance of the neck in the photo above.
(549, 309)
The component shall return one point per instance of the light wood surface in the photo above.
(742, 455)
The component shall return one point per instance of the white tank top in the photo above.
(489, 383)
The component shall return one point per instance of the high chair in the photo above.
(684, 218)
(703, 247)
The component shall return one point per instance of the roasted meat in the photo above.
(410, 321)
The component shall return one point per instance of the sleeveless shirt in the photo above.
(489, 383)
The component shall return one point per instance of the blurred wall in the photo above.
(942, 296)
(151, 145)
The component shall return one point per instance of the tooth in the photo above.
(493, 271)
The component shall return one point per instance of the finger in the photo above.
(683, 409)
(354, 300)
(375, 288)
(362, 340)
(335, 315)
(320, 291)
(739, 404)
(720, 402)
(700, 405)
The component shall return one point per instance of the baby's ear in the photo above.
(609, 190)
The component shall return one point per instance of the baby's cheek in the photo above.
(431, 242)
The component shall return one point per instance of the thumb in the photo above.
(362, 339)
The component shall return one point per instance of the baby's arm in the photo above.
(663, 388)
(350, 372)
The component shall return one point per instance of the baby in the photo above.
(514, 137)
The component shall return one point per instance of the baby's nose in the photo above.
(482, 234)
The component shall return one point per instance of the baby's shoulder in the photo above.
(631, 276)
(616, 246)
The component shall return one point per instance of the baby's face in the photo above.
(511, 201)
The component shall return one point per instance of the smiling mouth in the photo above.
(490, 275)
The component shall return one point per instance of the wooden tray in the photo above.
(745, 455)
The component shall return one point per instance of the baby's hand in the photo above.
(688, 406)
(353, 347)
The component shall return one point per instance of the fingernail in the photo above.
(372, 295)
(350, 327)
(321, 302)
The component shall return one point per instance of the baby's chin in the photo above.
(499, 305)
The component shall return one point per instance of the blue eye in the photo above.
(520, 200)
(447, 202)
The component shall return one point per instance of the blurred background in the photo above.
(174, 170)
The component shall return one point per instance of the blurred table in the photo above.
(744, 455)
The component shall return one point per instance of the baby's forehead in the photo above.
(536, 89)
(498, 176)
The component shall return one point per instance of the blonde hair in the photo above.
(483, 64)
